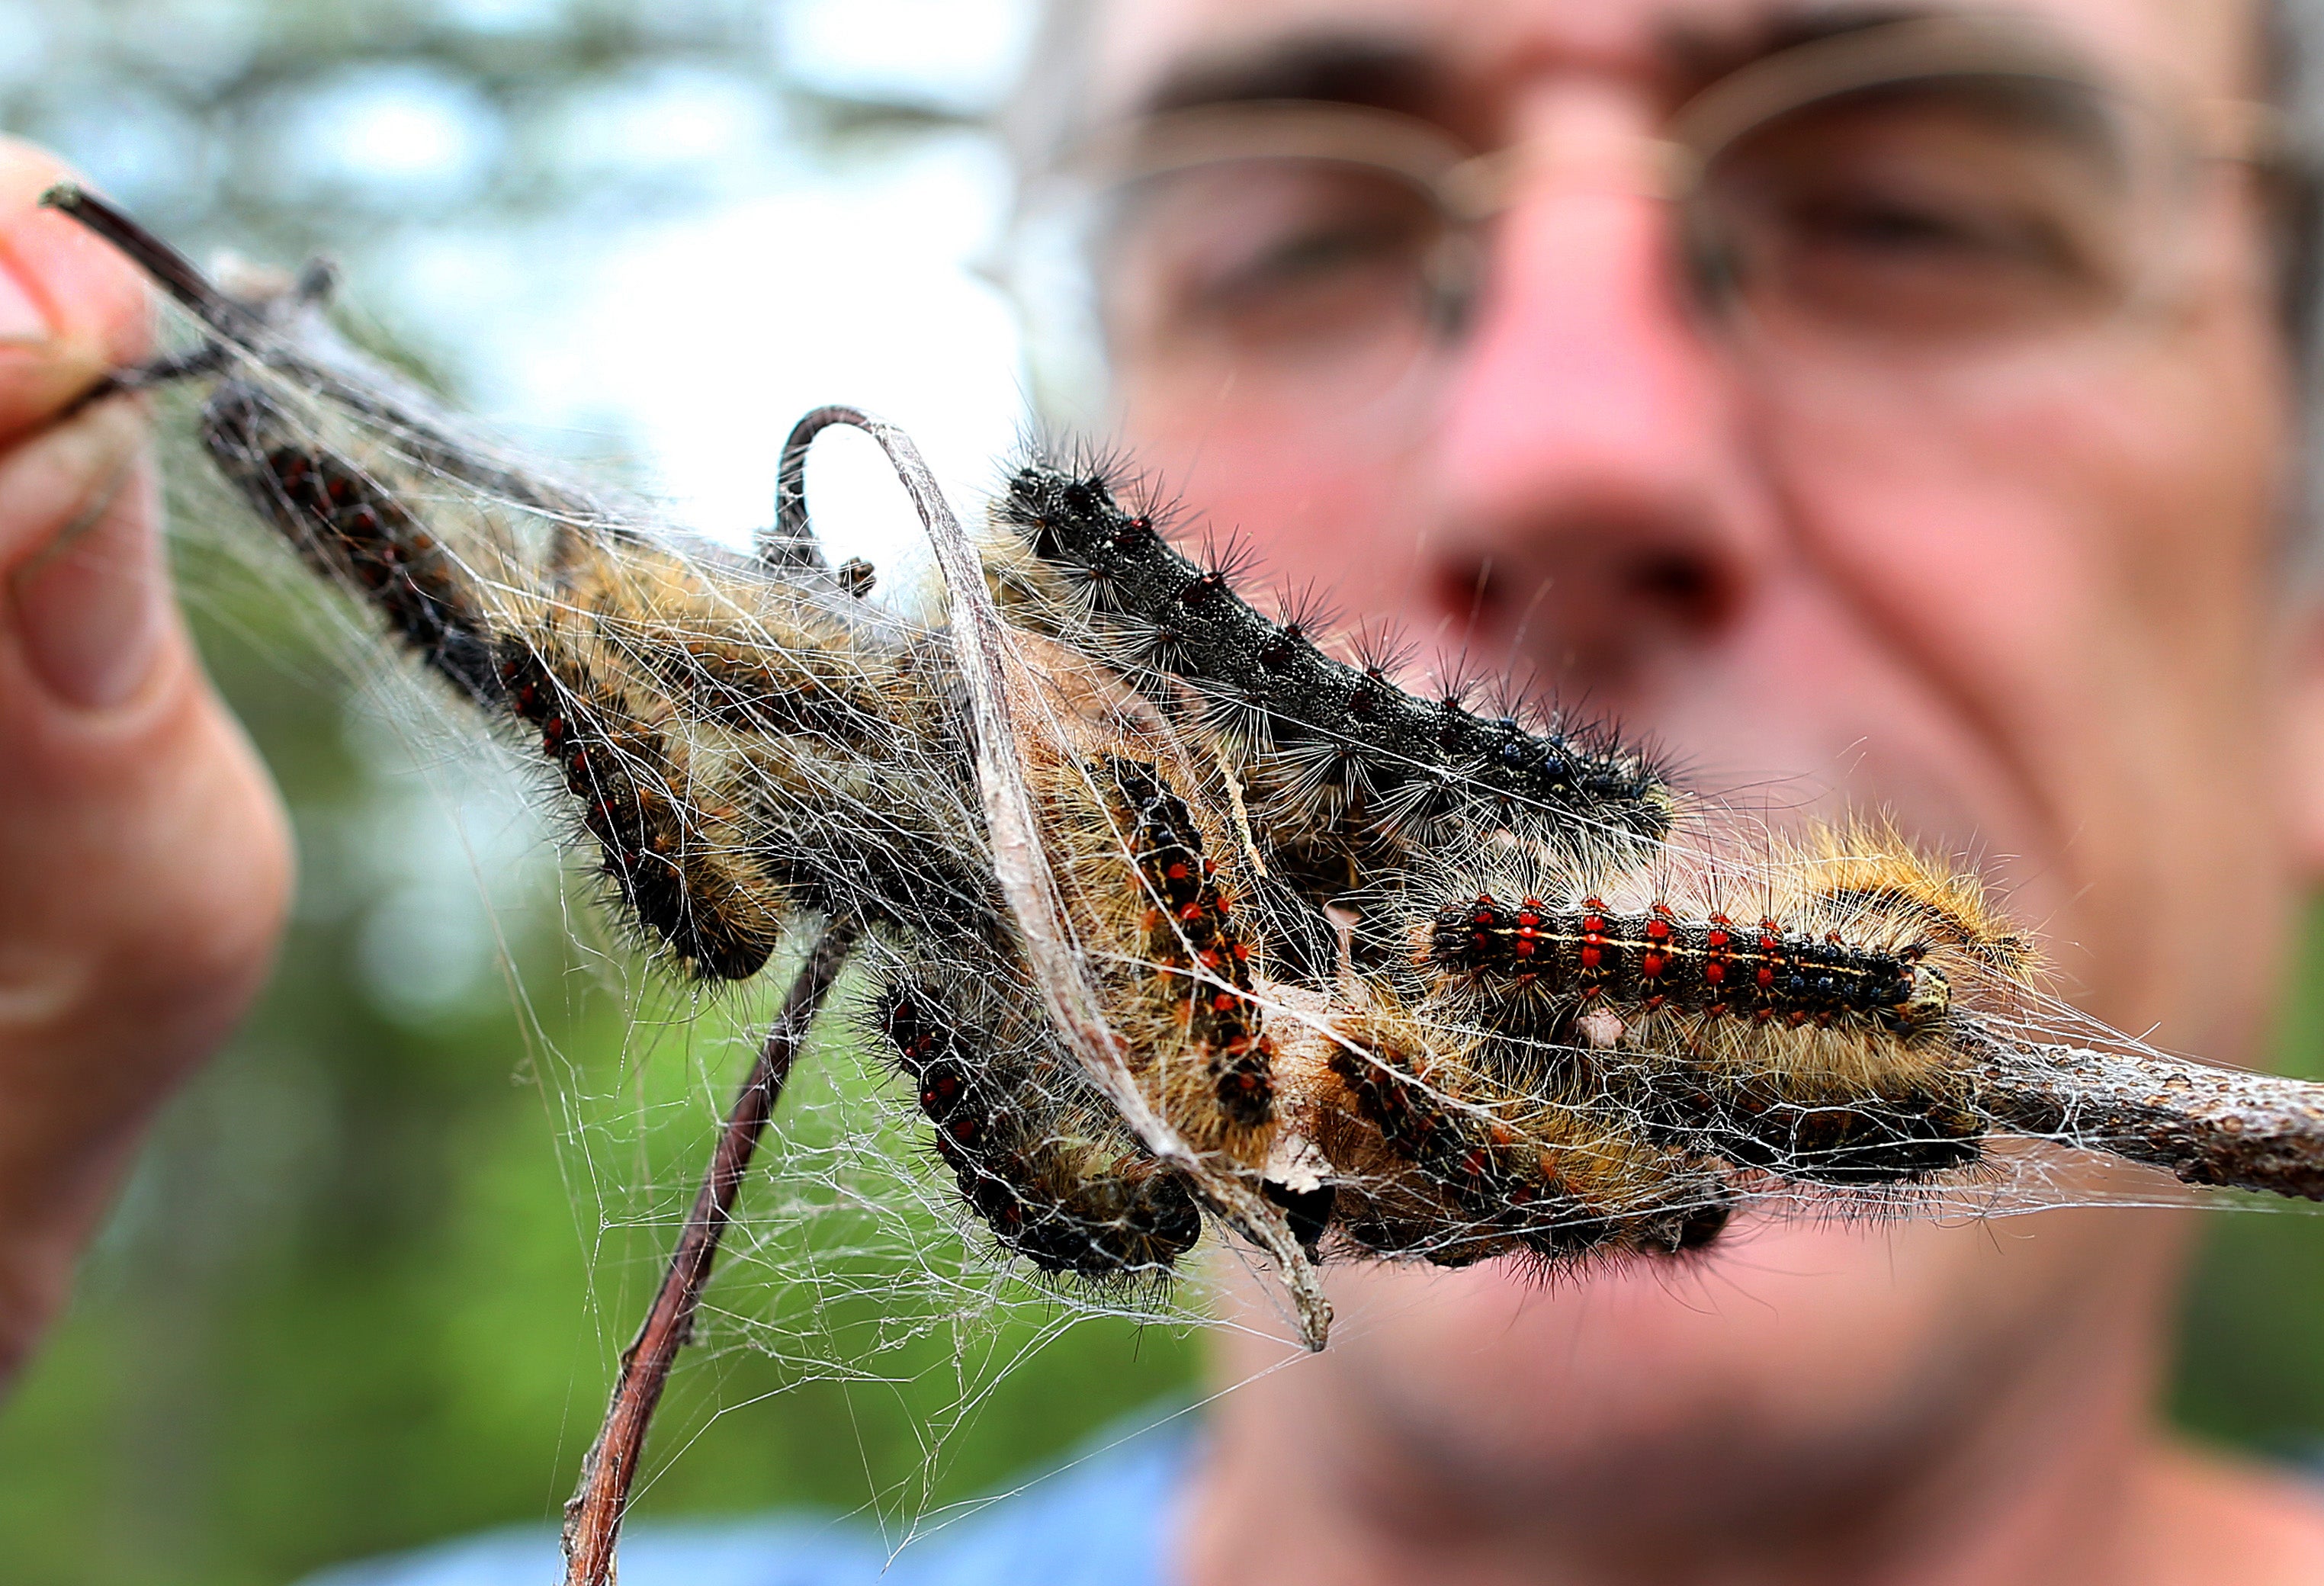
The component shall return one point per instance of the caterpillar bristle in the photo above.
(1302, 612)
(1381, 651)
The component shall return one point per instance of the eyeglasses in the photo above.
(1922, 189)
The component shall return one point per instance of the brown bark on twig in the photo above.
(593, 1516)
(2225, 1127)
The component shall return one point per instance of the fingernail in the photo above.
(89, 606)
(22, 318)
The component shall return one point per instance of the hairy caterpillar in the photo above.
(1036, 1153)
(1200, 955)
(1386, 976)
(1796, 1019)
(1447, 1161)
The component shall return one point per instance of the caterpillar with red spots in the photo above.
(1441, 1159)
(1800, 1026)
(1202, 954)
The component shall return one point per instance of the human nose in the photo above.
(1598, 506)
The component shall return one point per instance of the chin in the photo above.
(1794, 1342)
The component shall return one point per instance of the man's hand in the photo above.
(144, 859)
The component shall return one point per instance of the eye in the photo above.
(1879, 227)
(1946, 208)
(1269, 252)
(1316, 254)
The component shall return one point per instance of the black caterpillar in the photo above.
(1342, 767)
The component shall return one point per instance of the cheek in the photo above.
(1329, 504)
(2029, 537)
(2082, 585)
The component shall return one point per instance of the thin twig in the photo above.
(792, 540)
(1020, 861)
(593, 1517)
(2225, 1127)
(169, 269)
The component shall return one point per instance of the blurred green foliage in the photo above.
(358, 1297)
(2251, 1368)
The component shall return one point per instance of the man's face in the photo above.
(2022, 600)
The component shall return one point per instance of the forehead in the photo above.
(1472, 48)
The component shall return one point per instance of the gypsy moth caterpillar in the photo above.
(1795, 1019)
(1462, 1164)
(1038, 1156)
(1321, 747)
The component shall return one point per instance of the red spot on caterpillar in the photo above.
(1194, 932)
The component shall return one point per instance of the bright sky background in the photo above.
(702, 338)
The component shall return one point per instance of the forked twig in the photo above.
(593, 1516)
(1021, 862)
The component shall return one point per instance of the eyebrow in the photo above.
(1698, 59)
(1389, 71)
(1378, 71)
